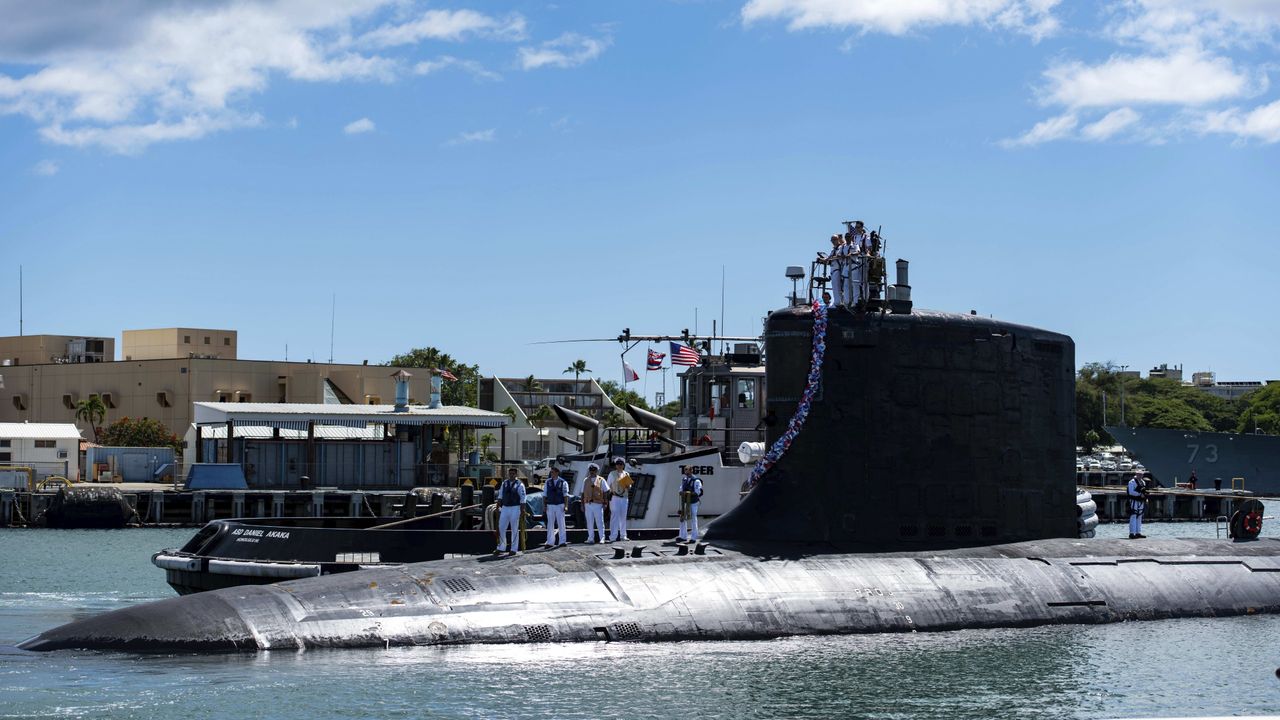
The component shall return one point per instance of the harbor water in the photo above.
(1139, 669)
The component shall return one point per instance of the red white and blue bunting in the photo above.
(814, 381)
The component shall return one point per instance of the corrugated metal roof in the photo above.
(40, 431)
(219, 412)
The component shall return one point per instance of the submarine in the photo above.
(922, 479)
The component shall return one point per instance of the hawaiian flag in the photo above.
(655, 359)
(448, 375)
(627, 372)
(684, 355)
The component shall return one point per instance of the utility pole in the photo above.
(1122, 379)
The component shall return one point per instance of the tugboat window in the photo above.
(746, 394)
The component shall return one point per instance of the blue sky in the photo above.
(481, 177)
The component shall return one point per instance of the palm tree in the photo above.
(93, 411)
(531, 384)
(540, 417)
(577, 368)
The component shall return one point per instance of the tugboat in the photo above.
(922, 481)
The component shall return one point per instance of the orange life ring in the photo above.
(1251, 523)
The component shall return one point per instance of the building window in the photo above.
(5, 443)
(186, 339)
(245, 397)
(206, 339)
(62, 454)
(46, 444)
(534, 449)
(224, 397)
(5, 457)
(226, 341)
(641, 490)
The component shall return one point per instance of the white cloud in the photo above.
(1170, 24)
(1261, 123)
(46, 168)
(451, 25)
(123, 75)
(477, 70)
(356, 127)
(1185, 77)
(475, 137)
(1055, 128)
(1112, 123)
(568, 50)
(897, 17)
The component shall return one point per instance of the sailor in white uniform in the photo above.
(836, 264)
(511, 501)
(690, 496)
(859, 257)
(556, 491)
(619, 488)
(1137, 506)
(595, 493)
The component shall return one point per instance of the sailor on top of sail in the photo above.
(1137, 491)
(619, 485)
(690, 496)
(836, 263)
(555, 491)
(511, 502)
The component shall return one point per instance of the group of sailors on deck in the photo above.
(852, 265)
(597, 492)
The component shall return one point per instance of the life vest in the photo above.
(555, 491)
(510, 493)
(691, 485)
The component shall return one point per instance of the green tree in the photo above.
(1091, 440)
(531, 384)
(540, 417)
(454, 392)
(577, 368)
(621, 396)
(140, 432)
(1260, 411)
(670, 410)
(92, 411)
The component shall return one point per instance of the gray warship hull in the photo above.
(1171, 455)
(581, 594)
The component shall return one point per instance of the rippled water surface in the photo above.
(1166, 668)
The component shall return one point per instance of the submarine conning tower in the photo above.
(928, 430)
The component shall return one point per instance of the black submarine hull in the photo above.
(583, 594)
(927, 483)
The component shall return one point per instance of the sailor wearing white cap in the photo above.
(620, 486)
(595, 491)
(511, 496)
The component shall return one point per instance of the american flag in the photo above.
(655, 359)
(448, 375)
(684, 355)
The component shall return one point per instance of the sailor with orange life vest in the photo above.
(511, 503)
(595, 493)
(619, 486)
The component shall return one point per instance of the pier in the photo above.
(160, 505)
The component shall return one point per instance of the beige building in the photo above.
(164, 388)
(525, 439)
(165, 343)
(40, 349)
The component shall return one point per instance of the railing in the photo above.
(372, 474)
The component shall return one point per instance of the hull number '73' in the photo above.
(1210, 453)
